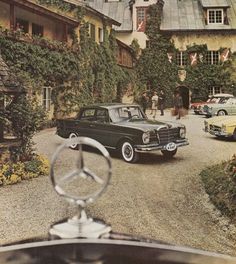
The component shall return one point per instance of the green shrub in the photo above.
(220, 184)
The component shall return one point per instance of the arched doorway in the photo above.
(184, 92)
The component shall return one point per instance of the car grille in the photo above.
(215, 128)
(167, 135)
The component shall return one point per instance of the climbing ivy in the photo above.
(201, 76)
(64, 7)
(157, 72)
(84, 74)
(153, 67)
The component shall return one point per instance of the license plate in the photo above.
(171, 146)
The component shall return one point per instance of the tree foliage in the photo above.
(81, 77)
(27, 117)
(153, 67)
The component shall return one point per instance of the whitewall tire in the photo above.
(71, 136)
(128, 153)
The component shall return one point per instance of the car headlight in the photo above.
(146, 137)
(223, 128)
(182, 132)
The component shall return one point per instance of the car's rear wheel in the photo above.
(169, 154)
(128, 152)
(72, 136)
(221, 113)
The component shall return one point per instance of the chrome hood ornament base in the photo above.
(80, 226)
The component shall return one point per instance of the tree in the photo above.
(154, 68)
(26, 118)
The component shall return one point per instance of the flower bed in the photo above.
(11, 173)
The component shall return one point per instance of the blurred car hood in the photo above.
(147, 124)
(226, 120)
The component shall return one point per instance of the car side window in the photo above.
(102, 116)
(234, 101)
(88, 115)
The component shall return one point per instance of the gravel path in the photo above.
(156, 198)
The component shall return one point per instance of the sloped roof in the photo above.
(8, 82)
(188, 15)
(99, 11)
(214, 3)
(119, 11)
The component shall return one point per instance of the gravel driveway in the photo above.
(156, 198)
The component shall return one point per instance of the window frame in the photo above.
(210, 60)
(138, 21)
(215, 16)
(24, 24)
(92, 31)
(47, 100)
(100, 35)
(181, 58)
(37, 27)
(214, 90)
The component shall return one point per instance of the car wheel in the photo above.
(221, 113)
(169, 154)
(128, 153)
(234, 135)
(71, 136)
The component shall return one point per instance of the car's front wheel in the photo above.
(169, 154)
(221, 113)
(234, 135)
(128, 152)
(72, 136)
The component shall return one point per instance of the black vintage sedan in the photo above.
(124, 127)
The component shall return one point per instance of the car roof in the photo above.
(222, 95)
(109, 105)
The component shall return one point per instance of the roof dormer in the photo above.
(215, 12)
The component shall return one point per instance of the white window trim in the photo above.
(212, 57)
(182, 59)
(46, 102)
(214, 90)
(101, 36)
(215, 23)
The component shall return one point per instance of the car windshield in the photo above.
(126, 113)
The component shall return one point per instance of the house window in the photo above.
(214, 90)
(181, 58)
(215, 16)
(212, 57)
(37, 30)
(141, 18)
(100, 35)
(92, 32)
(22, 24)
(47, 91)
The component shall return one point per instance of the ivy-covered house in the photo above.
(36, 20)
(202, 30)
(131, 13)
(61, 51)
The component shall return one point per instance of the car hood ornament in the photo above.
(80, 226)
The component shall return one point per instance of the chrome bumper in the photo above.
(219, 134)
(154, 147)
